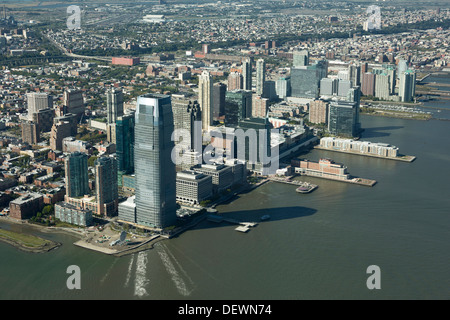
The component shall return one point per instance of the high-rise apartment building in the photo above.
(154, 168)
(260, 76)
(407, 87)
(368, 84)
(106, 186)
(318, 111)
(38, 101)
(260, 106)
(283, 87)
(74, 102)
(235, 81)
(30, 132)
(77, 181)
(238, 106)
(205, 99)
(247, 73)
(219, 91)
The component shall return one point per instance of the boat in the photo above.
(265, 217)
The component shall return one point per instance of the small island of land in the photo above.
(26, 242)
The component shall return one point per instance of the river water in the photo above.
(315, 246)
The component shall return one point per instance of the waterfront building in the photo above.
(343, 118)
(193, 187)
(257, 151)
(222, 175)
(77, 181)
(72, 214)
(26, 206)
(106, 186)
(325, 168)
(127, 210)
(125, 146)
(362, 147)
(205, 99)
(407, 88)
(154, 169)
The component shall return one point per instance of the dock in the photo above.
(303, 187)
(243, 226)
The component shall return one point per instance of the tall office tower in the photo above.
(124, 146)
(407, 88)
(59, 131)
(254, 153)
(260, 106)
(154, 169)
(185, 113)
(205, 98)
(354, 73)
(382, 86)
(283, 87)
(247, 73)
(391, 72)
(74, 102)
(30, 132)
(260, 76)
(305, 81)
(219, 91)
(77, 181)
(238, 106)
(342, 118)
(106, 186)
(368, 84)
(235, 81)
(114, 104)
(318, 111)
(37, 102)
(300, 58)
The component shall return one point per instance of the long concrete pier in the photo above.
(403, 158)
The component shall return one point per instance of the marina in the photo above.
(303, 187)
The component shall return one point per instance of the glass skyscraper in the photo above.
(125, 145)
(77, 181)
(343, 118)
(305, 81)
(154, 168)
(238, 106)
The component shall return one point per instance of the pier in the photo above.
(243, 226)
(303, 187)
(403, 158)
